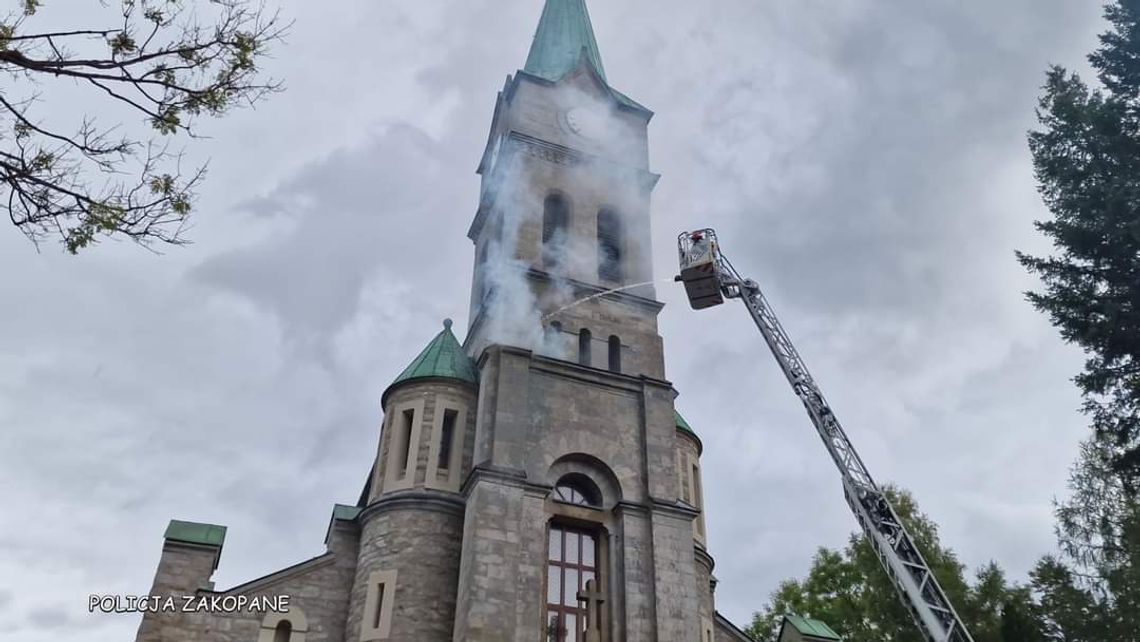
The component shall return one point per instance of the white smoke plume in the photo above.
(513, 313)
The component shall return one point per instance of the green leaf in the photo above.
(122, 43)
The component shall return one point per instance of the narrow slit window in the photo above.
(446, 437)
(376, 623)
(697, 486)
(609, 245)
(379, 611)
(615, 354)
(406, 440)
(480, 271)
(698, 503)
(682, 479)
(584, 341)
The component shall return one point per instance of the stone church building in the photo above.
(534, 483)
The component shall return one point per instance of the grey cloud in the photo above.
(864, 161)
(49, 617)
(364, 211)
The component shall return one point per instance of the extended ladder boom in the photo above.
(709, 279)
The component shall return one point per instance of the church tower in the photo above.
(533, 483)
(582, 471)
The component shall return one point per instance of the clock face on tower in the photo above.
(586, 122)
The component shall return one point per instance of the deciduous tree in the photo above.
(165, 61)
(849, 590)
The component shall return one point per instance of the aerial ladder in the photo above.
(709, 279)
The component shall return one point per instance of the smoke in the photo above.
(612, 166)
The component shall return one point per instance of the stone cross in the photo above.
(593, 599)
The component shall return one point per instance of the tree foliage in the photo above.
(1092, 590)
(1092, 522)
(1090, 593)
(849, 590)
(166, 61)
(1021, 618)
(1087, 163)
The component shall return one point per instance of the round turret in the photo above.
(412, 525)
(429, 421)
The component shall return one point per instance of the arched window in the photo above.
(284, 627)
(572, 570)
(578, 489)
(555, 219)
(552, 337)
(577, 588)
(584, 341)
(610, 245)
(615, 354)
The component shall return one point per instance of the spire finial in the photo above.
(447, 324)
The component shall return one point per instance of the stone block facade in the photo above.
(318, 591)
(523, 489)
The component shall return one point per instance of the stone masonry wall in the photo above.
(319, 588)
(429, 391)
(498, 579)
(420, 539)
(678, 604)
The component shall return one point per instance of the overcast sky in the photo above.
(864, 161)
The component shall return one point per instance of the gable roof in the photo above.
(730, 628)
(813, 629)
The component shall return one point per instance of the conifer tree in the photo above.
(1087, 163)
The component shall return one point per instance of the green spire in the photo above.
(442, 358)
(564, 35)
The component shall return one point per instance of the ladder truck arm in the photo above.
(709, 279)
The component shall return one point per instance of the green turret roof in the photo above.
(684, 427)
(442, 358)
(564, 35)
(682, 424)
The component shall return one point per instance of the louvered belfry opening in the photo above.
(555, 219)
(609, 246)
